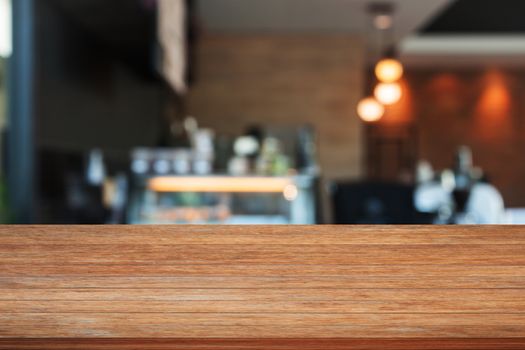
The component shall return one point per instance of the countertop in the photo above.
(262, 287)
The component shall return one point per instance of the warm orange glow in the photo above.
(402, 111)
(370, 110)
(383, 21)
(388, 93)
(445, 82)
(290, 192)
(220, 184)
(447, 92)
(389, 70)
(495, 98)
(494, 107)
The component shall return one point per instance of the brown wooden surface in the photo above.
(264, 344)
(262, 287)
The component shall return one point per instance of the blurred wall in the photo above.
(81, 92)
(484, 109)
(284, 80)
(86, 95)
(3, 92)
(3, 105)
(481, 108)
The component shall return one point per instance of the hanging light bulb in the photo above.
(388, 93)
(370, 110)
(389, 70)
(383, 21)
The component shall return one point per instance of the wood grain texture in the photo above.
(263, 344)
(262, 287)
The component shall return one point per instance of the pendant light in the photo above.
(388, 93)
(370, 110)
(388, 70)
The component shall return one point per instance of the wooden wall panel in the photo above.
(446, 107)
(277, 80)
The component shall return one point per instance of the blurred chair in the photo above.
(375, 203)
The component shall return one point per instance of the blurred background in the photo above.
(262, 111)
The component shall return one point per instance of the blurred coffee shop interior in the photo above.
(262, 111)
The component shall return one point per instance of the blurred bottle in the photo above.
(181, 161)
(141, 160)
(424, 172)
(162, 163)
(307, 151)
(96, 170)
(271, 160)
(463, 168)
(203, 151)
(244, 147)
(115, 198)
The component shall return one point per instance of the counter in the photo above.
(262, 287)
(224, 199)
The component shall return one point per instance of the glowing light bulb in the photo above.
(290, 192)
(383, 21)
(370, 110)
(389, 70)
(388, 93)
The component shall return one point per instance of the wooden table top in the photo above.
(262, 287)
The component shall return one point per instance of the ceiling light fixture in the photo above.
(369, 110)
(388, 93)
(383, 22)
(388, 70)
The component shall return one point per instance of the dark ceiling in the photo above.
(479, 17)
